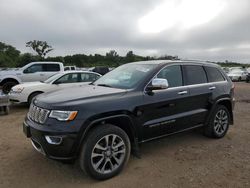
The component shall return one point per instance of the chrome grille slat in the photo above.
(38, 114)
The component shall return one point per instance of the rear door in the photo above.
(49, 69)
(217, 80)
(200, 92)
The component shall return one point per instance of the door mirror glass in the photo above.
(158, 84)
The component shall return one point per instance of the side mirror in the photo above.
(158, 84)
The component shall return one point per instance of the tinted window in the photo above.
(51, 67)
(172, 74)
(87, 77)
(68, 78)
(194, 74)
(34, 68)
(213, 74)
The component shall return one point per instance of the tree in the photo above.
(40, 47)
(112, 56)
(130, 57)
(8, 55)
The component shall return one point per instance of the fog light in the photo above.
(55, 140)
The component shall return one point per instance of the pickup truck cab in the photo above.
(35, 71)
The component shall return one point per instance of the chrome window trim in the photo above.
(184, 86)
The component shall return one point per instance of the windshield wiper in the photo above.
(104, 85)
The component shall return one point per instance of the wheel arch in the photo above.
(8, 79)
(225, 102)
(123, 121)
(39, 92)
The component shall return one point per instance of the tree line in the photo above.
(11, 57)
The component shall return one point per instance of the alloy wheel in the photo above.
(220, 122)
(108, 154)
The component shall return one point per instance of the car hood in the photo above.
(9, 72)
(28, 85)
(75, 94)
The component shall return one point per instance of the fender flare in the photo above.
(11, 77)
(92, 123)
(214, 106)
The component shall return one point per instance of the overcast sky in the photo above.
(192, 29)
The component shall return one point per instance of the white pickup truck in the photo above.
(35, 71)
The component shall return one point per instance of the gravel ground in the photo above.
(184, 160)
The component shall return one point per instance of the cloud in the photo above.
(212, 30)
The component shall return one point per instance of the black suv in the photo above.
(101, 123)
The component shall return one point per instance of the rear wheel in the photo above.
(105, 152)
(219, 123)
(239, 79)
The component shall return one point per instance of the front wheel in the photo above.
(105, 152)
(219, 123)
(7, 86)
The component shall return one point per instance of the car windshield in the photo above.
(52, 78)
(126, 76)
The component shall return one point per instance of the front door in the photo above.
(166, 111)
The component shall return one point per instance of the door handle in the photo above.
(182, 92)
(41, 74)
(212, 88)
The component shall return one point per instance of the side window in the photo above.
(173, 75)
(194, 74)
(34, 68)
(87, 77)
(214, 75)
(68, 78)
(52, 67)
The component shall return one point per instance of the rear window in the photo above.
(214, 75)
(194, 74)
(51, 67)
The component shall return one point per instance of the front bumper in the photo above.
(62, 150)
(17, 97)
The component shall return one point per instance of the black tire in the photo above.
(96, 136)
(218, 128)
(7, 86)
(32, 95)
(239, 79)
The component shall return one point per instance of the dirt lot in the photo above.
(183, 160)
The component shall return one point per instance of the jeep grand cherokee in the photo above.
(100, 124)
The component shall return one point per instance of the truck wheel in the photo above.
(32, 95)
(239, 79)
(105, 152)
(7, 86)
(219, 123)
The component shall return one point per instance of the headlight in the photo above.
(63, 115)
(18, 89)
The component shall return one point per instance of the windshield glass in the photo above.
(52, 78)
(126, 76)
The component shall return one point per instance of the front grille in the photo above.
(38, 114)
